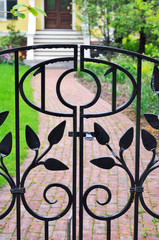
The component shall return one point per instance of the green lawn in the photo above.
(27, 115)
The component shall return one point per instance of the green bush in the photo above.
(13, 39)
(152, 50)
(131, 43)
(149, 100)
(100, 69)
(97, 68)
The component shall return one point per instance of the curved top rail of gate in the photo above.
(113, 68)
(40, 68)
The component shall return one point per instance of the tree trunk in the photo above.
(142, 41)
(106, 41)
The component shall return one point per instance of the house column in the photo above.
(86, 37)
(73, 15)
(31, 31)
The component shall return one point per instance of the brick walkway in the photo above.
(115, 179)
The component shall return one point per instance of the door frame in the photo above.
(73, 15)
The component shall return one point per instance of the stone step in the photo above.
(51, 55)
(56, 37)
(45, 58)
(59, 32)
(50, 50)
(57, 41)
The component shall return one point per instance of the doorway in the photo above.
(58, 14)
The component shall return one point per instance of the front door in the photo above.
(58, 14)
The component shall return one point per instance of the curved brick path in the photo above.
(115, 179)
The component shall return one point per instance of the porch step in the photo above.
(56, 37)
(45, 54)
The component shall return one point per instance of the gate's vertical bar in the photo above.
(81, 177)
(81, 157)
(114, 91)
(43, 87)
(46, 230)
(74, 173)
(17, 143)
(74, 190)
(108, 230)
(137, 146)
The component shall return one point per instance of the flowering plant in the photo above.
(9, 57)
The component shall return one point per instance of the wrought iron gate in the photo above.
(17, 188)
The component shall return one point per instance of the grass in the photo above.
(27, 115)
(149, 100)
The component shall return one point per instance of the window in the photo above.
(6, 5)
(3, 9)
(10, 4)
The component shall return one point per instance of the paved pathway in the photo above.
(115, 179)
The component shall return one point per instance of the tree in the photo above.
(97, 14)
(138, 17)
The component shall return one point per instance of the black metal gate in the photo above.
(17, 188)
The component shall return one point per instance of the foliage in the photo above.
(138, 16)
(20, 13)
(152, 50)
(98, 69)
(7, 98)
(130, 43)
(9, 57)
(14, 38)
(115, 20)
(98, 14)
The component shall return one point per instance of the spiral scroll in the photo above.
(50, 164)
(108, 163)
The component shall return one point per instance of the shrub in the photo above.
(131, 43)
(152, 50)
(98, 69)
(14, 39)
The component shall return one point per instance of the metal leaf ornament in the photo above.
(54, 165)
(6, 145)
(57, 133)
(100, 134)
(32, 139)
(155, 80)
(3, 116)
(126, 139)
(104, 162)
(152, 119)
(148, 140)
